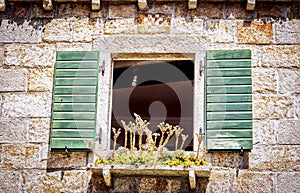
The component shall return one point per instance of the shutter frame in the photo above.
(228, 102)
(74, 100)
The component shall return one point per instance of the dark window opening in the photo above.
(158, 92)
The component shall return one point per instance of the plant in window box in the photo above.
(147, 155)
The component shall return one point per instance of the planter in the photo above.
(158, 170)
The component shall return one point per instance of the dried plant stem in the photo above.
(200, 138)
(178, 131)
(184, 137)
(116, 135)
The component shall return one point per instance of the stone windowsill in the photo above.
(158, 170)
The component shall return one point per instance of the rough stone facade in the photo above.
(30, 37)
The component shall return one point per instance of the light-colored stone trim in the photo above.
(2, 5)
(142, 4)
(250, 5)
(47, 5)
(96, 5)
(192, 4)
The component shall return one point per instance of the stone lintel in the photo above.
(96, 5)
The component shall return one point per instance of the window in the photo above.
(158, 91)
(164, 90)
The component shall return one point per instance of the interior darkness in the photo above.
(168, 97)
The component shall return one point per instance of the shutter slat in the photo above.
(77, 64)
(228, 120)
(74, 100)
(76, 55)
(228, 72)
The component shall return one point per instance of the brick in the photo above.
(30, 55)
(264, 132)
(13, 80)
(184, 26)
(57, 30)
(77, 10)
(220, 181)
(26, 105)
(289, 81)
(150, 44)
(287, 32)
(39, 130)
(238, 11)
(264, 80)
(84, 30)
(154, 23)
(13, 130)
(270, 10)
(10, 180)
(122, 11)
(20, 31)
(288, 132)
(20, 156)
(272, 106)
(221, 31)
(208, 11)
(280, 56)
(247, 181)
(275, 158)
(40, 79)
(256, 32)
(61, 159)
(120, 26)
(288, 182)
(74, 46)
(39, 13)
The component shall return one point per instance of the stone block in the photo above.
(208, 11)
(181, 10)
(124, 184)
(97, 184)
(84, 30)
(1, 55)
(264, 80)
(297, 104)
(288, 182)
(20, 156)
(74, 46)
(264, 132)
(122, 11)
(57, 30)
(77, 10)
(275, 158)
(26, 105)
(61, 159)
(288, 132)
(120, 26)
(2, 5)
(21, 10)
(13, 130)
(163, 7)
(287, 32)
(221, 181)
(23, 31)
(102, 13)
(292, 10)
(184, 26)
(157, 23)
(272, 106)
(29, 55)
(40, 79)
(281, 56)
(151, 44)
(150, 184)
(266, 10)
(13, 80)
(10, 181)
(74, 181)
(289, 81)
(39, 130)
(248, 181)
(256, 32)
(238, 11)
(39, 13)
(221, 31)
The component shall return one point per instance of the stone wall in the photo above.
(30, 37)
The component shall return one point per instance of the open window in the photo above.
(158, 91)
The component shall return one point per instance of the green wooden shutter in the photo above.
(74, 103)
(228, 109)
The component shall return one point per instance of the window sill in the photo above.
(158, 170)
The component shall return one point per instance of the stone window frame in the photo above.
(107, 59)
